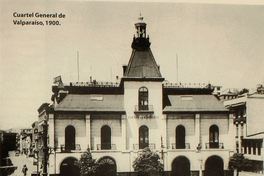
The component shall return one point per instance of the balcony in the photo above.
(70, 148)
(145, 111)
(186, 146)
(214, 145)
(142, 146)
(144, 108)
(106, 146)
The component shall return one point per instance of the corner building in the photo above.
(188, 126)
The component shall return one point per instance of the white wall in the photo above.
(156, 125)
(78, 122)
(186, 120)
(255, 115)
(222, 121)
(113, 122)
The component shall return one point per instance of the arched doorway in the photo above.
(105, 137)
(214, 137)
(180, 137)
(107, 167)
(69, 167)
(143, 98)
(181, 166)
(69, 138)
(214, 166)
(143, 137)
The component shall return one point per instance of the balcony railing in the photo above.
(143, 108)
(142, 146)
(106, 146)
(69, 149)
(214, 145)
(186, 146)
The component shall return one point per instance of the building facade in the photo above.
(188, 126)
(247, 111)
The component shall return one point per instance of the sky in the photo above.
(221, 44)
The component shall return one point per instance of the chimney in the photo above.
(124, 69)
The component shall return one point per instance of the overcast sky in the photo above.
(216, 43)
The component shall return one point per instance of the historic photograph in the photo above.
(131, 88)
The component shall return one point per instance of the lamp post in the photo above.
(37, 158)
(199, 147)
(162, 153)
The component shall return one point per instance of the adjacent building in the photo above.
(26, 141)
(188, 126)
(247, 111)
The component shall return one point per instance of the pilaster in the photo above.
(124, 132)
(88, 130)
(51, 130)
(198, 139)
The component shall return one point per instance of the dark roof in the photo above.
(142, 64)
(92, 102)
(194, 103)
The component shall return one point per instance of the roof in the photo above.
(256, 136)
(194, 103)
(142, 64)
(92, 102)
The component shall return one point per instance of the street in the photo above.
(19, 161)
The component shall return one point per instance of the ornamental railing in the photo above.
(106, 146)
(143, 108)
(214, 145)
(185, 146)
(142, 146)
(70, 148)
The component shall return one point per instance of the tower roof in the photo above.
(142, 63)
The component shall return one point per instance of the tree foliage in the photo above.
(87, 164)
(240, 163)
(148, 163)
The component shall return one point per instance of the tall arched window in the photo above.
(70, 138)
(105, 137)
(214, 137)
(143, 137)
(143, 98)
(180, 137)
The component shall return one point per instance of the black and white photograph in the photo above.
(131, 88)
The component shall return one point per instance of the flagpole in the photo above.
(78, 65)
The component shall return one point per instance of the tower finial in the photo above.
(140, 17)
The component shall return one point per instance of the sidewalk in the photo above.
(19, 161)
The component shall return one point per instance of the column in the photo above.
(198, 141)
(51, 131)
(88, 130)
(232, 133)
(198, 138)
(51, 134)
(124, 132)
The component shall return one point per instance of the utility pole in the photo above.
(45, 148)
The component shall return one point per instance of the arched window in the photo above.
(143, 98)
(70, 138)
(214, 137)
(180, 137)
(143, 137)
(105, 137)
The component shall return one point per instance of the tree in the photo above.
(148, 163)
(239, 163)
(87, 164)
